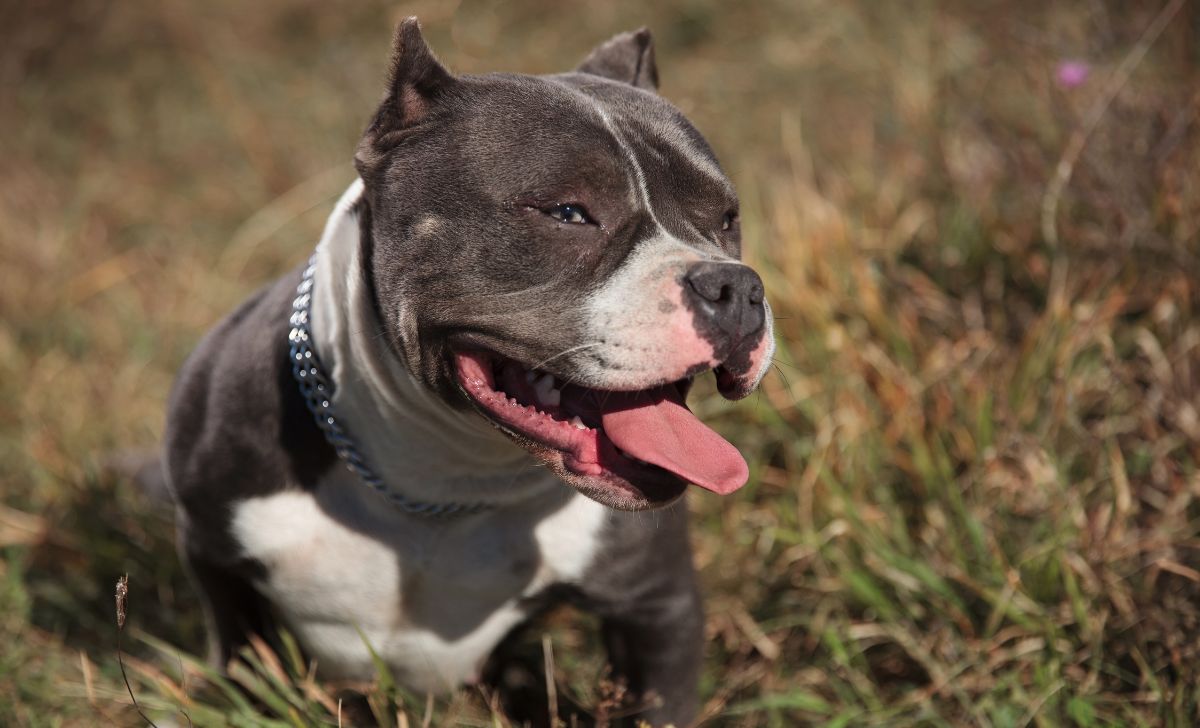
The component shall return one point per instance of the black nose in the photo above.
(728, 295)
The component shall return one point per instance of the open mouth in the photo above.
(628, 449)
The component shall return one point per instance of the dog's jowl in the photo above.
(449, 418)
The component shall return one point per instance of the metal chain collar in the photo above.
(317, 391)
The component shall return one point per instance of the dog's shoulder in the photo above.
(237, 425)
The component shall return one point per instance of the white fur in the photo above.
(432, 598)
(638, 319)
(769, 340)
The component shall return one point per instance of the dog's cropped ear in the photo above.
(416, 80)
(628, 57)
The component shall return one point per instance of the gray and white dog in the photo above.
(515, 293)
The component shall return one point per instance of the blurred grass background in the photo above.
(975, 497)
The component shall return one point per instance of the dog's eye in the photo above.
(729, 221)
(569, 213)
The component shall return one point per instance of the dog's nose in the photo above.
(729, 295)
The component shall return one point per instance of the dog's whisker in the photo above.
(787, 384)
(571, 350)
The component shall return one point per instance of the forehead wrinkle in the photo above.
(657, 125)
(636, 175)
(678, 140)
(649, 144)
(533, 113)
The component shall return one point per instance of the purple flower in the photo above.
(1072, 73)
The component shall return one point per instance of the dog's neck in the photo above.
(417, 445)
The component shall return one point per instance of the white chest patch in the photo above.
(433, 598)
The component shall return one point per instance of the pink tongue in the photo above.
(656, 426)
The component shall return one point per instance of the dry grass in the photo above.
(975, 496)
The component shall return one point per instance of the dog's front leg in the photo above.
(657, 651)
(233, 609)
(652, 618)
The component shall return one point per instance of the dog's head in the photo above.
(561, 253)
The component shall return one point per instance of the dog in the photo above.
(450, 418)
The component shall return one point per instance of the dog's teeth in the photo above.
(545, 391)
(578, 423)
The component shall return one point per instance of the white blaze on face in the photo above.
(640, 331)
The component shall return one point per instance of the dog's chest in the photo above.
(432, 598)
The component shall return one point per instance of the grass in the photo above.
(975, 495)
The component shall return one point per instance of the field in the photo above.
(975, 492)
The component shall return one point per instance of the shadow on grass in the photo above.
(109, 529)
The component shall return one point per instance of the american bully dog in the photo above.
(462, 407)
